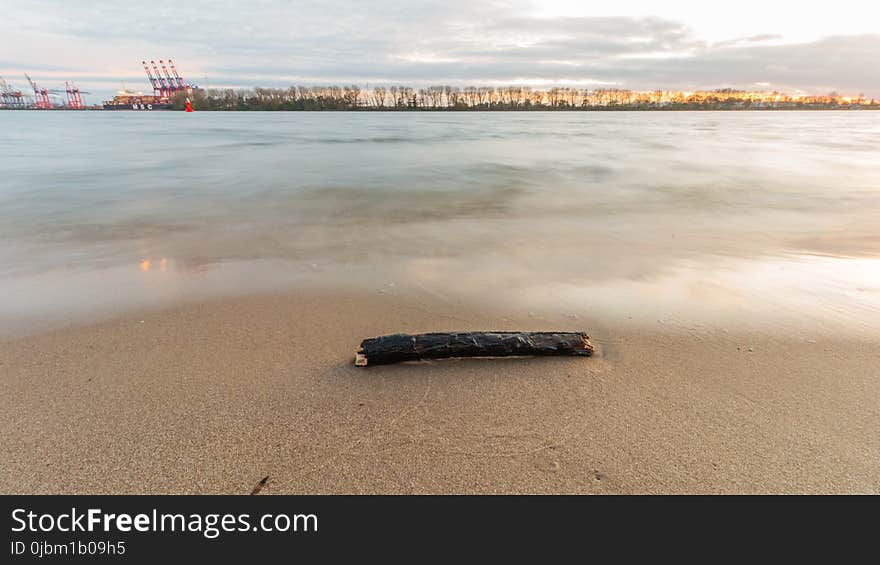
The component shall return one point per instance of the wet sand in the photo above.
(211, 398)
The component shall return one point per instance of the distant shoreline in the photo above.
(484, 110)
(549, 110)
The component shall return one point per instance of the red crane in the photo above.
(164, 82)
(157, 86)
(41, 95)
(166, 89)
(74, 96)
(171, 82)
(180, 82)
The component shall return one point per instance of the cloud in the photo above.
(276, 43)
(752, 39)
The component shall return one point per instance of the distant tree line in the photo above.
(500, 98)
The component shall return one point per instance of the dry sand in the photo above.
(211, 398)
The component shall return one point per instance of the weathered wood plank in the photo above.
(397, 348)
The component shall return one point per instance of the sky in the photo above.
(813, 48)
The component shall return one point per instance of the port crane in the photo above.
(171, 82)
(166, 88)
(180, 82)
(165, 82)
(43, 100)
(74, 96)
(154, 82)
(40, 94)
(10, 97)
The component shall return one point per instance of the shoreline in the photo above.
(211, 397)
(468, 110)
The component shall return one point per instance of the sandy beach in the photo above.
(212, 397)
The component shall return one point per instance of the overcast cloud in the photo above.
(278, 43)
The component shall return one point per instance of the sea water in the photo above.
(707, 217)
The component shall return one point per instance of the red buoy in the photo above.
(189, 106)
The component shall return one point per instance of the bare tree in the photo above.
(379, 95)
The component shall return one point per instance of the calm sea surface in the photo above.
(683, 217)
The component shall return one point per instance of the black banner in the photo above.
(136, 529)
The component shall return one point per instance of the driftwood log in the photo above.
(396, 348)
